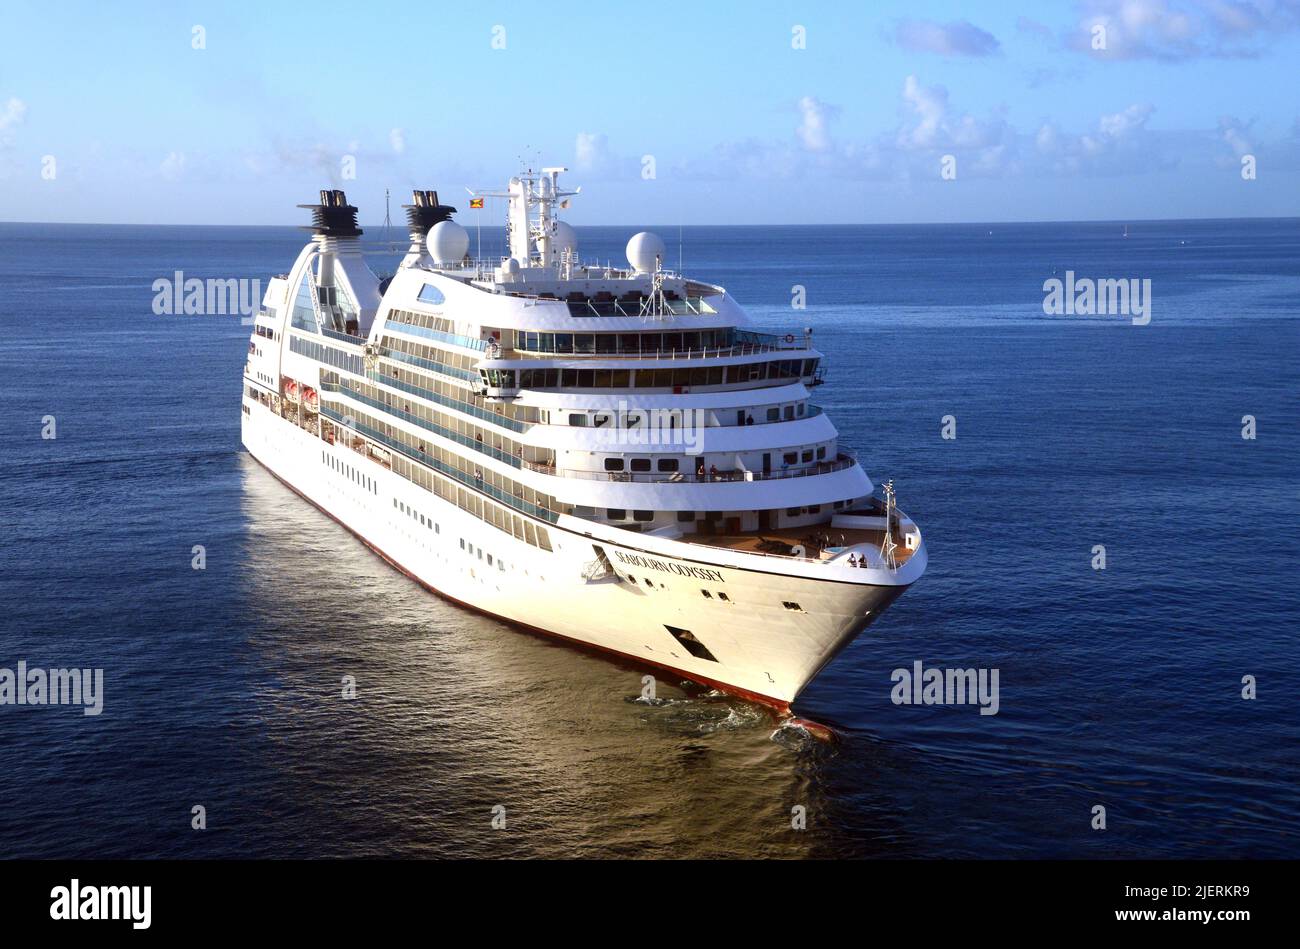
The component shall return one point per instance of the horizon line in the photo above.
(401, 227)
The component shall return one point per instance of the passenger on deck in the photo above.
(699, 474)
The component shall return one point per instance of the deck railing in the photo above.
(477, 484)
(812, 469)
(434, 427)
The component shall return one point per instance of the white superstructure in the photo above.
(605, 454)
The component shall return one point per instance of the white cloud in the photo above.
(12, 114)
(929, 125)
(397, 139)
(928, 105)
(590, 151)
(1234, 133)
(960, 38)
(172, 166)
(1173, 30)
(813, 128)
(1120, 143)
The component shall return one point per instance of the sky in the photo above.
(796, 112)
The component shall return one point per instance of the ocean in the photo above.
(1119, 688)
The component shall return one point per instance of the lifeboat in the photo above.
(310, 398)
(291, 390)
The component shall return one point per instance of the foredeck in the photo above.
(821, 542)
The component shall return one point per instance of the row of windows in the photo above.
(631, 418)
(618, 343)
(777, 370)
(265, 331)
(439, 323)
(817, 508)
(436, 327)
(435, 357)
(473, 551)
(327, 354)
(617, 462)
(352, 474)
(640, 464)
(413, 515)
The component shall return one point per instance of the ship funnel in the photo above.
(424, 212)
(333, 217)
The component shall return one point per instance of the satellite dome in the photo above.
(510, 266)
(566, 238)
(447, 242)
(642, 250)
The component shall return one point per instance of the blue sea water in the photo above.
(1120, 688)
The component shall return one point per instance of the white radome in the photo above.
(447, 242)
(566, 238)
(642, 251)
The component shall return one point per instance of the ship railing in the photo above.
(344, 337)
(434, 427)
(424, 458)
(454, 339)
(810, 470)
(642, 306)
(713, 352)
(467, 408)
(387, 352)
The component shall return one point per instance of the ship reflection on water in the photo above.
(456, 714)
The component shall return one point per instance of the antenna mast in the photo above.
(888, 547)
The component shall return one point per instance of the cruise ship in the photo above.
(605, 453)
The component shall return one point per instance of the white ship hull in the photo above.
(761, 648)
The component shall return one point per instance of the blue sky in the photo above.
(108, 112)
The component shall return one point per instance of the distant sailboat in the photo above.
(1125, 230)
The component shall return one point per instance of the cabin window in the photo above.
(578, 420)
(685, 515)
(794, 607)
(773, 414)
(790, 457)
(613, 464)
(640, 464)
(617, 514)
(667, 464)
(643, 515)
